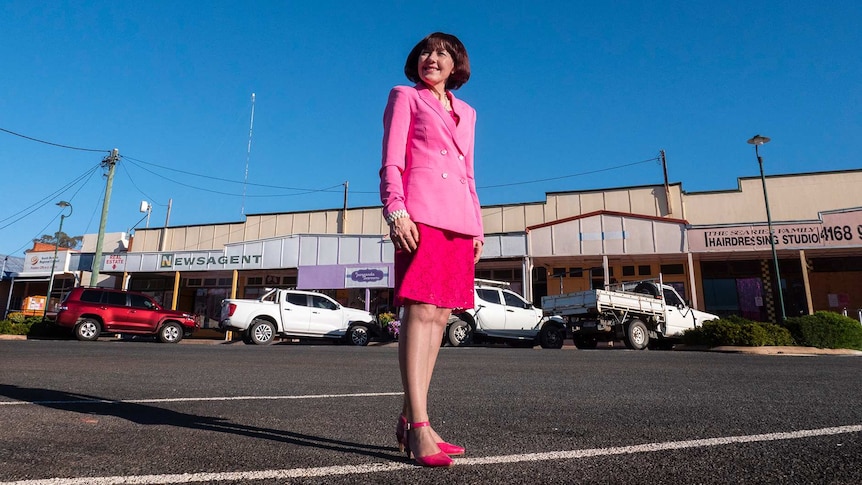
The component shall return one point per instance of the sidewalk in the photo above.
(781, 350)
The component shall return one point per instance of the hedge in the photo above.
(734, 330)
(826, 330)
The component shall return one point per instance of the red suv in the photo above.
(91, 311)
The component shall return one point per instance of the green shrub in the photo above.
(10, 327)
(20, 324)
(826, 330)
(17, 317)
(735, 330)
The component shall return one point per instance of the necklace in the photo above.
(443, 98)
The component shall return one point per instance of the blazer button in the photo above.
(460, 157)
(463, 181)
(445, 175)
(443, 152)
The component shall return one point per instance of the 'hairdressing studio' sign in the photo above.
(839, 229)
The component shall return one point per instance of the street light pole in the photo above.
(63, 204)
(758, 140)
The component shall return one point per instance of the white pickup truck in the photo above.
(642, 314)
(298, 314)
(502, 315)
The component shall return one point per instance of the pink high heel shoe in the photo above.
(440, 459)
(401, 436)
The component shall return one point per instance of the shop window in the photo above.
(483, 274)
(644, 270)
(599, 272)
(833, 265)
(558, 272)
(143, 284)
(193, 282)
(210, 281)
(255, 281)
(628, 270)
(576, 272)
(225, 281)
(254, 292)
(672, 269)
(502, 274)
(289, 281)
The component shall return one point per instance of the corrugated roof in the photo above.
(13, 264)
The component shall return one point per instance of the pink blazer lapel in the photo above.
(437, 107)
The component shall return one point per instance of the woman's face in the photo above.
(435, 66)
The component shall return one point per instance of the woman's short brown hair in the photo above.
(453, 46)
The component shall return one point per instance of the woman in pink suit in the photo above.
(435, 222)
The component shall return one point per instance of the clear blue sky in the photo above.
(567, 90)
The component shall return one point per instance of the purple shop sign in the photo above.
(364, 277)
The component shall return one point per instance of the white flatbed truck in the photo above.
(642, 314)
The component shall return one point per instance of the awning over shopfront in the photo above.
(607, 233)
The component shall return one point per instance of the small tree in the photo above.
(61, 240)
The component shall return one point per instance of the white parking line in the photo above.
(388, 467)
(194, 399)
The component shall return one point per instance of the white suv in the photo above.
(500, 314)
(298, 314)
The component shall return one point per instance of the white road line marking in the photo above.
(393, 466)
(194, 399)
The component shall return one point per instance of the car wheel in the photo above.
(170, 333)
(637, 335)
(585, 342)
(88, 330)
(551, 337)
(358, 335)
(261, 332)
(460, 333)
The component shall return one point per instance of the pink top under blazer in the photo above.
(428, 161)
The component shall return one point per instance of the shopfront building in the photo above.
(713, 247)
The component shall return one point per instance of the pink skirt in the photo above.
(439, 272)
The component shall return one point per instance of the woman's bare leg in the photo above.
(418, 346)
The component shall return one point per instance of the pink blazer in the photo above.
(428, 161)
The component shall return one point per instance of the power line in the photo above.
(54, 144)
(569, 176)
(45, 200)
(303, 191)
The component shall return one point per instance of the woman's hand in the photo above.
(404, 234)
(477, 250)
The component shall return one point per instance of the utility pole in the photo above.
(110, 162)
(344, 212)
(164, 234)
(666, 185)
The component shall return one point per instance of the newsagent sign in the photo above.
(837, 229)
(180, 261)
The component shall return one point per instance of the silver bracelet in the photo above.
(390, 219)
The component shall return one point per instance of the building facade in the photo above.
(714, 247)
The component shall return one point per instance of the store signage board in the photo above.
(840, 229)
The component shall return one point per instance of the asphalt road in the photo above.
(142, 412)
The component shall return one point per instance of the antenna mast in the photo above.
(247, 155)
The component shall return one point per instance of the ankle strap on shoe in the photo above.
(421, 424)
